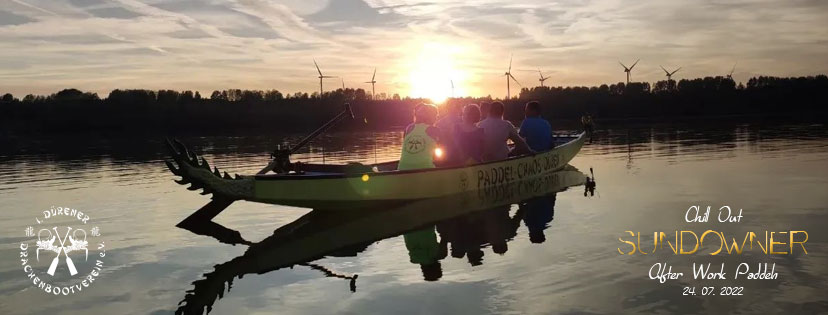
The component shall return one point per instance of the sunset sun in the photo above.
(433, 70)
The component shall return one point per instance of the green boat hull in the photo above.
(354, 189)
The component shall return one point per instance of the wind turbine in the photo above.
(321, 77)
(509, 75)
(730, 75)
(542, 78)
(373, 81)
(628, 70)
(452, 88)
(343, 84)
(669, 74)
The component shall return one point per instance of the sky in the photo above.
(418, 47)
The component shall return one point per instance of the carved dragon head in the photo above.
(195, 170)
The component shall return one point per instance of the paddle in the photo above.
(281, 157)
(54, 264)
(589, 186)
(72, 270)
(329, 273)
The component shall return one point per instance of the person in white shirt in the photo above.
(496, 131)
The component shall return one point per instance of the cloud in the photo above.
(281, 20)
(209, 44)
(8, 18)
(488, 29)
(86, 3)
(351, 13)
(115, 13)
(222, 16)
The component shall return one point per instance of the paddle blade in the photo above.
(72, 270)
(53, 266)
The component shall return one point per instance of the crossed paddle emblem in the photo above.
(74, 244)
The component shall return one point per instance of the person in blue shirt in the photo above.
(536, 130)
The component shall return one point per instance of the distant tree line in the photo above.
(234, 109)
(687, 97)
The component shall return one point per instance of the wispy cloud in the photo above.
(204, 44)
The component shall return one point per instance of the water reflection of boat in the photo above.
(467, 221)
(355, 185)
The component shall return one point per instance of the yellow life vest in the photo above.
(418, 149)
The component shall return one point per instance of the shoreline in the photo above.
(355, 126)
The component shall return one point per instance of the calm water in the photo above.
(554, 254)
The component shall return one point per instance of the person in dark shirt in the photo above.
(450, 118)
(535, 129)
(468, 137)
(484, 110)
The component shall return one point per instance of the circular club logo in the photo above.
(414, 144)
(62, 258)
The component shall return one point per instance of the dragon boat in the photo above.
(354, 185)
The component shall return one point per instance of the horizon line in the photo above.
(310, 94)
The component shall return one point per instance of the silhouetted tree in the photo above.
(167, 97)
(236, 109)
(7, 98)
(273, 95)
(186, 97)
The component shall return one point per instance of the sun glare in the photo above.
(433, 71)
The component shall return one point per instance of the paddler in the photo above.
(589, 126)
(496, 131)
(536, 130)
(420, 151)
(449, 120)
(420, 148)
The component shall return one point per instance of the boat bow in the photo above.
(195, 171)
